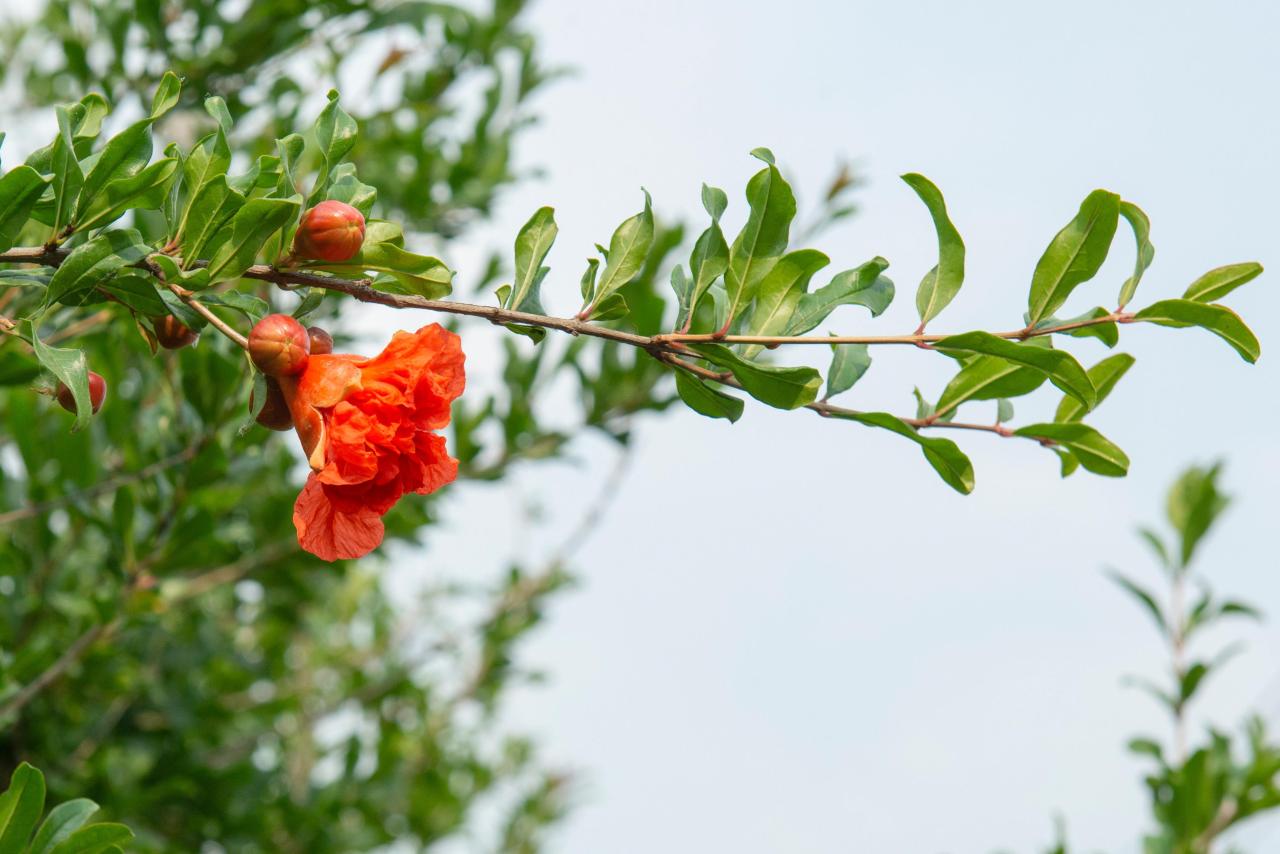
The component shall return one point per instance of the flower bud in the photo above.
(321, 341)
(331, 231)
(173, 334)
(97, 393)
(275, 413)
(279, 345)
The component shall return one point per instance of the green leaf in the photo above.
(252, 307)
(167, 93)
(943, 454)
(68, 179)
(715, 201)
(763, 154)
(136, 291)
(988, 378)
(336, 134)
(862, 285)
(1146, 253)
(1107, 333)
(62, 821)
(780, 387)
(588, 281)
(1220, 281)
(611, 307)
(1218, 319)
(17, 369)
(209, 159)
(251, 227)
(705, 400)
(146, 191)
(780, 291)
(71, 368)
(1143, 597)
(681, 284)
(763, 238)
(346, 187)
(1104, 377)
(1146, 747)
(407, 273)
(1193, 505)
(708, 261)
(627, 250)
(1061, 368)
(1004, 410)
(532, 245)
(124, 156)
(20, 189)
(848, 363)
(211, 208)
(941, 284)
(94, 839)
(1093, 450)
(1074, 255)
(217, 109)
(20, 808)
(89, 264)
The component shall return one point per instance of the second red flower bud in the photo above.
(279, 345)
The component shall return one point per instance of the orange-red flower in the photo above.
(367, 427)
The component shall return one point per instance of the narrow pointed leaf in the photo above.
(124, 156)
(145, 191)
(1074, 255)
(1218, 319)
(628, 248)
(62, 821)
(848, 364)
(1146, 253)
(1220, 281)
(1094, 451)
(941, 284)
(93, 839)
(250, 228)
(20, 807)
(944, 455)
(989, 378)
(763, 238)
(1061, 368)
(91, 263)
(863, 285)
(532, 245)
(705, 400)
(780, 387)
(1144, 598)
(1104, 376)
(780, 291)
(20, 189)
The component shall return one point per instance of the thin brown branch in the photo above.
(111, 484)
(204, 311)
(69, 657)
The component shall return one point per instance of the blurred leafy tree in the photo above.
(1202, 789)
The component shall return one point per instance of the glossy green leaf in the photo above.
(943, 454)
(1061, 367)
(1220, 281)
(208, 161)
(588, 282)
(705, 400)
(89, 264)
(62, 821)
(166, 96)
(1074, 255)
(780, 387)
(1146, 253)
(941, 284)
(20, 808)
(763, 238)
(612, 307)
(93, 839)
(125, 155)
(406, 272)
(210, 209)
(1218, 319)
(1107, 333)
(710, 256)
(70, 367)
(335, 133)
(988, 378)
(863, 285)
(250, 228)
(136, 291)
(346, 187)
(1104, 376)
(68, 178)
(848, 363)
(145, 191)
(780, 291)
(20, 189)
(1094, 451)
(627, 250)
(715, 201)
(532, 245)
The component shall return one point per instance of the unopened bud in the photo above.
(321, 341)
(275, 410)
(279, 345)
(173, 334)
(97, 393)
(331, 231)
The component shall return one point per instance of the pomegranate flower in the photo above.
(368, 429)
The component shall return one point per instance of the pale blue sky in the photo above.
(837, 653)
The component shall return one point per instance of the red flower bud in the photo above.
(97, 393)
(321, 341)
(275, 410)
(279, 346)
(173, 334)
(331, 231)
